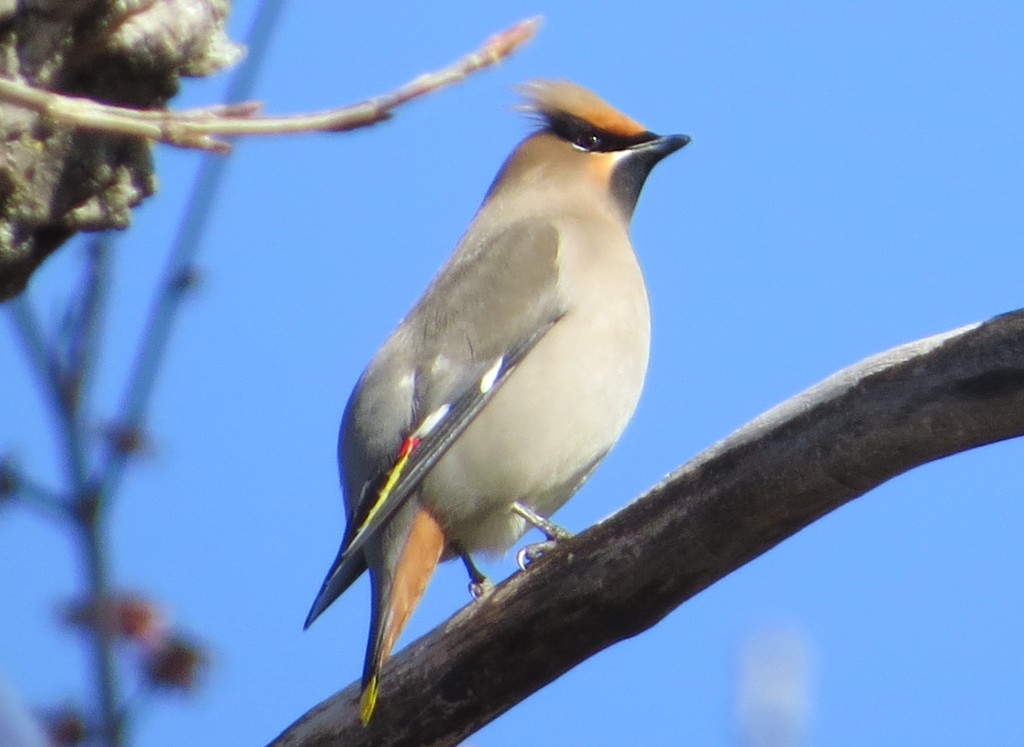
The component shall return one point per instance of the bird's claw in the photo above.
(479, 589)
(530, 553)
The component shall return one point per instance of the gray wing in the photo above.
(483, 313)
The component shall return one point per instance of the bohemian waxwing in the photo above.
(513, 375)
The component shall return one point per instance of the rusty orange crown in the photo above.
(554, 98)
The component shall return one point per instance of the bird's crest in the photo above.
(557, 100)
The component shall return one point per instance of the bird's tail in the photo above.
(395, 596)
(345, 570)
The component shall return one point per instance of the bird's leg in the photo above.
(552, 531)
(479, 584)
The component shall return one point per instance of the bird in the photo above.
(511, 377)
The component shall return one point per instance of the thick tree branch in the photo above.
(736, 500)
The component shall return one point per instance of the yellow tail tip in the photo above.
(368, 701)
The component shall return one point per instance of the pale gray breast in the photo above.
(569, 400)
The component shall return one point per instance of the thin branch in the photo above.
(738, 499)
(87, 317)
(94, 550)
(200, 128)
(44, 364)
(34, 345)
(66, 404)
(84, 508)
(18, 486)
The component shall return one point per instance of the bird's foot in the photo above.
(551, 530)
(479, 585)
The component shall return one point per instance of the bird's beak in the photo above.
(665, 145)
(635, 163)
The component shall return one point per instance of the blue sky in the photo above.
(854, 182)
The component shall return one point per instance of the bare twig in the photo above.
(87, 317)
(46, 366)
(736, 500)
(81, 499)
(201, 128)
(12, 481)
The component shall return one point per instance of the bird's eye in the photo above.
(584, 135)
(588, 140)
